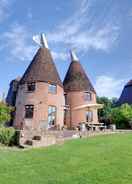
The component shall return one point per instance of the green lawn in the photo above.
(98, 160)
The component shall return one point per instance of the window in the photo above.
(89, 116)
(52, 88)
(31, 87)
(51, 115)
(87, 96)
(29, 109)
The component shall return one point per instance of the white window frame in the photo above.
(52, 88)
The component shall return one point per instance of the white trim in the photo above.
(74, 56)
(98, 106)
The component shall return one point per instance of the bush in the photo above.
(122, 116)
(8, 136)
(5, 113)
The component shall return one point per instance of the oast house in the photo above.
(41, 99)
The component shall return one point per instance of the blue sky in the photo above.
(99, 30)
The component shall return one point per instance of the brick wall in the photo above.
(41, 99)
(75, 99)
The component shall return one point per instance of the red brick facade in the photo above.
(41, 99)
(78, 108)
(38, 107)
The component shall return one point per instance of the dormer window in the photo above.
(52, 88)
(31, 87)
(87, 96)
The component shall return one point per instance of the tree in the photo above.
(104, 113)
(122, 116)
(110, 114)
(5, 113)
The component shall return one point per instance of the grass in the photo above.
(98, 160)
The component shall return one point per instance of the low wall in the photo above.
(42, 138)
(39, 138)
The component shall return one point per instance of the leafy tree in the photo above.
(5, 113)
(104, 113)
(122, 116)
(110, 114)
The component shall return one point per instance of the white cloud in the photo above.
(17, 40)
(59, 56)
(4, 9)
(109, 86)
(77, 32)
(74, 32)
(17, 43)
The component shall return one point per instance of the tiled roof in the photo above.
(76, 79)
(126, 96)
(42, 69)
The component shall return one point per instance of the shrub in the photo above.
(122, 116)
(8, 136)
(5, 113)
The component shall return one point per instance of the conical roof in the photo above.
(76, 78)
(42, 69)
(126, 96)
